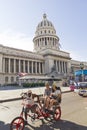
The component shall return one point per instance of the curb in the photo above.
(9, 100)
(19, 98)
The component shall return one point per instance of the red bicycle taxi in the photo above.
(18, 123)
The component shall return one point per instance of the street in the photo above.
(74, 115)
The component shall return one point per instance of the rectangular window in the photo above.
(30, 66)
(21, 63)
(6, 65)
(26, 66)
(12, 65)
(33, 67)
(41, 67)
(37, 67)
(17, 66)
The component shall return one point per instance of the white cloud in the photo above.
(16, 40)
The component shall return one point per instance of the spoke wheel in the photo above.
(57, 113)
(17, 124)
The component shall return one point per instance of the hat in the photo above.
(29, 91)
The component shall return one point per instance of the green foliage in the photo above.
(29, 85)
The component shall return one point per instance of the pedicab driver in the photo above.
(29, 104)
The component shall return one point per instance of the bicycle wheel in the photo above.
(57, 113)
(17, 124)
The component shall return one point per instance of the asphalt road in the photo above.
(74, 115)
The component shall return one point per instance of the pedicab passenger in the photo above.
(55, 97)
(29, 104)
(47, 93)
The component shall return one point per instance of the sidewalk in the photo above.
(11, 95)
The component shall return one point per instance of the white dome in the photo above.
(45, 27)
(45, 36)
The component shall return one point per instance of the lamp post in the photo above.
(72, 71)
(82, 67)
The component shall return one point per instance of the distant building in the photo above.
(47, 58)
(80, 75)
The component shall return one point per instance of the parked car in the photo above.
(82, 88)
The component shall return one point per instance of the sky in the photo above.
(19, 19)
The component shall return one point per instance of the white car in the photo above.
(82, 88)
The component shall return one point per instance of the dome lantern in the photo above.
(44, 16)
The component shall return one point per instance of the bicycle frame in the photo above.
(18, 123)
(42, 114)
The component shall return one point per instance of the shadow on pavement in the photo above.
(59, 125)
(4, 126)
(51, 125)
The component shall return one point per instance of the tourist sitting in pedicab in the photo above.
(54, 98)
(47, 93)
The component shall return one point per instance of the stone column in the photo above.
(3, 65)
(28, 66)
(24, 66)
(56, 66)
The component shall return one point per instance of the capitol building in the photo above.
(47, 58)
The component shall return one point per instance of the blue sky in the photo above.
(19, 19)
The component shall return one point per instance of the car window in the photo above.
(83, 85)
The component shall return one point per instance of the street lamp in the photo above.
(72, 72)
(82, 67)
(72, 69)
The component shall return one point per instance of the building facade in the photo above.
(46, 57)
